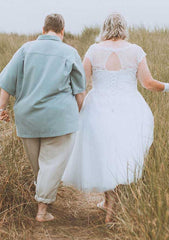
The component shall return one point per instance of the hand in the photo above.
(4, 116)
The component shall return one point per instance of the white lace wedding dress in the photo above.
(116, 124)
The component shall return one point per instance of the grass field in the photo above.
(142, 212)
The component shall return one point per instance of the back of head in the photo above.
(114, 28)
(54, 22)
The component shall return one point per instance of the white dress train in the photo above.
(116, 124)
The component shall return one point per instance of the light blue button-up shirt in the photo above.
(44, 75)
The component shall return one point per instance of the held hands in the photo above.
(4, 116)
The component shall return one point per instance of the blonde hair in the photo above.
(114, 27)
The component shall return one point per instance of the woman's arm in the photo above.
(146, 79)
(4, 99)
(88, 72)
(79, 98)
(88, 69)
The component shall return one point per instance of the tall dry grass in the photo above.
(143, 209)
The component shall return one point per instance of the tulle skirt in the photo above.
(114, 137)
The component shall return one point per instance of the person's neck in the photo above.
(51, 33)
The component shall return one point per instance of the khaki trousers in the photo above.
(48, 157)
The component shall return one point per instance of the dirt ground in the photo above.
(77, 218)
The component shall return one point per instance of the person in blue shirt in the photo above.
(47, 79)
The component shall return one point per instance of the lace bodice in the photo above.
(115, 69)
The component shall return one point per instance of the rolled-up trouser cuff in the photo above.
(53, 158)
(43, 200)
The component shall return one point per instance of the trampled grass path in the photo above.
(77, 218)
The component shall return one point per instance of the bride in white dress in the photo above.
(116, 124)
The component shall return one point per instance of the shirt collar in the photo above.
(49, 37)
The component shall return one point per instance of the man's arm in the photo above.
(8, 81)
(9, 75)
(4, 99)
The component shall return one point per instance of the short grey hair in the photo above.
(114, 27)
(54, 22)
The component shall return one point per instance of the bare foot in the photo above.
(109, 215)
(110, 203)
(108, 219)
(44, 217)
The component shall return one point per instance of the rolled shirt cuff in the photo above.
(11, 92)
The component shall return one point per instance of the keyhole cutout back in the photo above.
(113, 63)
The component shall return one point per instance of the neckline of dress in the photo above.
(114, 49)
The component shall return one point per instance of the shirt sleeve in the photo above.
(9, 75)
(78, 81)
(140, 54)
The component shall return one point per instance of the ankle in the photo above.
(105, 205)
(108, 219)
(42, 208)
